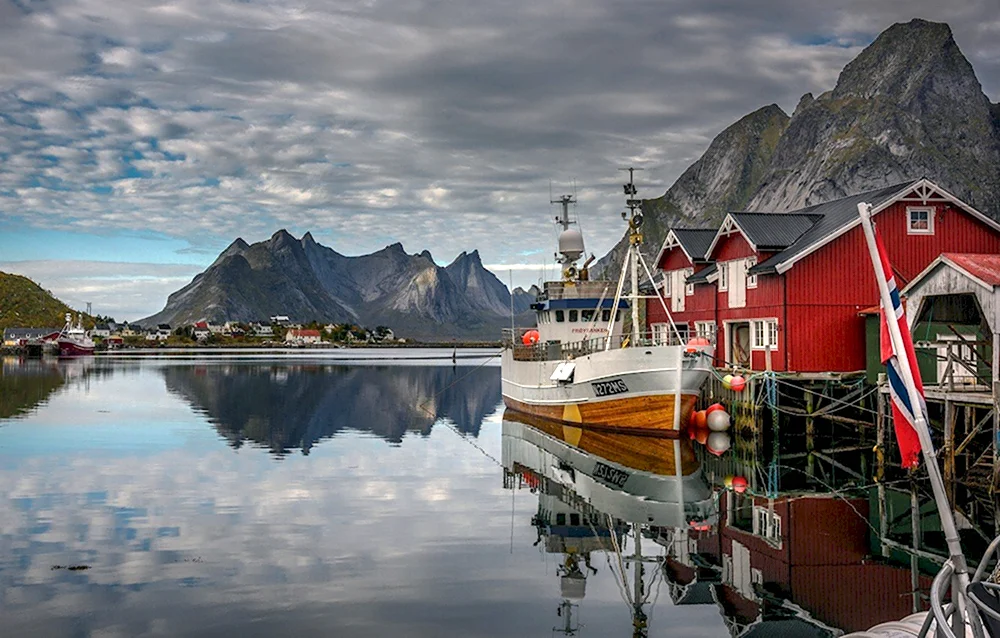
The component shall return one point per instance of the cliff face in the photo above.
(908, 106)
(308, 281)
(723, 179)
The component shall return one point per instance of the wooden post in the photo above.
(883, 515)
(949, 448)
(914, 560)
(810, 434)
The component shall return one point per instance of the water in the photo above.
(299, 496)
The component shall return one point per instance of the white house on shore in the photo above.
(302, 336)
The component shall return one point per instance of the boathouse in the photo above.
(794, 283)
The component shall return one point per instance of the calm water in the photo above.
(296, 496)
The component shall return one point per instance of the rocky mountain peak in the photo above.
(308, 238)
(905, 61)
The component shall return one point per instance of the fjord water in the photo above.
(269, 497)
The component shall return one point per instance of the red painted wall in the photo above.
(827, 288)
(734, 246)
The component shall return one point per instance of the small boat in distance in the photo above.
(73, 340)
(580, 367)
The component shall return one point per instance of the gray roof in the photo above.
(774, 231)
(695, 241)
(13, 334)
(701, 277)
(834, 217)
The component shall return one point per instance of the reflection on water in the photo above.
(282, 406)
(159, 497)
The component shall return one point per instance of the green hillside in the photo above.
(23, 304)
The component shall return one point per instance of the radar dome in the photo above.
(571, 244)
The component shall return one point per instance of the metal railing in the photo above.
(981, 601)
(557, 350)
(577, 290)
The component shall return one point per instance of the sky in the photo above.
(139, 139)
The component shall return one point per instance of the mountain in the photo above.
(307, 281)
(908, 106)
(23, 304)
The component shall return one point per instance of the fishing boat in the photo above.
(582, 365)
(73, 340)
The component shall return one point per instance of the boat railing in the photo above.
(578, 290)
(981, 600)
(557, 350)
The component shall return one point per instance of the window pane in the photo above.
(605, 315)
(560, 316)
(573, 315)
(586, 315)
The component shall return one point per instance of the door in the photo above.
(738, 343)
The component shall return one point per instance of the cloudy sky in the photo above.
(138, 139)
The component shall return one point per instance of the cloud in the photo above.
(367, 123)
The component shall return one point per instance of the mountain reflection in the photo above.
(24, 384)
(284, 407)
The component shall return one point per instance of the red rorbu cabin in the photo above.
(794, 283)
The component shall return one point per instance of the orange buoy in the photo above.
(699, 419)
(697, 342)
(701, 435)
(530, 338)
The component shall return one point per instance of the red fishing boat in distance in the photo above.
(73, 339)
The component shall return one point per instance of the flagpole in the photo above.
(917, 406)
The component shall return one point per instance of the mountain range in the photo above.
(908, 106)
(307, 281)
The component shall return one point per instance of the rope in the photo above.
(433, 415)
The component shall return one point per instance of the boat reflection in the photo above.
(607, 493)
(293, 406)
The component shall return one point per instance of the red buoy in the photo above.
(739, 484)
(737, 383)
(712, 408)
(530, 338)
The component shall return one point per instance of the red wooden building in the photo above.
(795, 282)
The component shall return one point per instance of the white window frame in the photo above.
(766, 524)
(751, 279)
(722, 268)
(768, 334)
(667, 278)
(688, 288)
(705, 329)
(910, 230)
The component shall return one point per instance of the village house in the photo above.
(16, 337)
(160, 333)
(298, 336)
(794, 283)
(262, 330)
(201, 331)
(280, 320)
(102, 330)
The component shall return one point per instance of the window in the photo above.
(723, 267)
(560, 316)
(688, 288)
(751, 279)
(667, 278)
(766, 524)
(764, 334)
(705, 329)
(920, 221)
(573, 316)
(605, 315)
(586, 315)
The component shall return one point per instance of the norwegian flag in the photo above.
(902, 410)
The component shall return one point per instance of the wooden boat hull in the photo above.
(625, 391)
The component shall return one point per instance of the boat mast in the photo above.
(634, 217)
